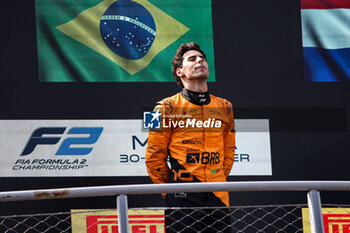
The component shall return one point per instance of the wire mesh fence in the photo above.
(286, 218)
(236, 219)
(43, 223)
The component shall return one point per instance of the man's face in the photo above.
(194, 66)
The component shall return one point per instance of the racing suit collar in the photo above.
(197, 98)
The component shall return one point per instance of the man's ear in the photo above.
(179, 72)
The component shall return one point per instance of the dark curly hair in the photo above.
(178, 59)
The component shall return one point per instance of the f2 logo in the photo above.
(37, 138)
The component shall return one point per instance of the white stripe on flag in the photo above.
(329, 29)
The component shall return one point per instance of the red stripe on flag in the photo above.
(324, 4)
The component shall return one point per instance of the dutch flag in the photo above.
(326, 40)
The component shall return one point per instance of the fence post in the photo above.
(123, 219)
(315, 211)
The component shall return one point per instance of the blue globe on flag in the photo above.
(128, 29)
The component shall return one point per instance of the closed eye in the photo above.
(194, 57)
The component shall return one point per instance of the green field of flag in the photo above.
(71, 47)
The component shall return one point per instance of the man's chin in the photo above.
(203, 77)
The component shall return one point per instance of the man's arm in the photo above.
(229, 142)
(157, 152)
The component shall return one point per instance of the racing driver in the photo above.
(197, 135)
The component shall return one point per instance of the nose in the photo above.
(200, 59)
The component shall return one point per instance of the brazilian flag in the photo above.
(118, 40)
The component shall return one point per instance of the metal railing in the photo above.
(121, 191)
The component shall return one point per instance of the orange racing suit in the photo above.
(199, 140)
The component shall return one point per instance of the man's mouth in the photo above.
(200, 67)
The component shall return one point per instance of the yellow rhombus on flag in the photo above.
(85, 28)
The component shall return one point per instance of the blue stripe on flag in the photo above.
(326, 65)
